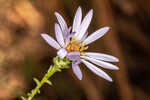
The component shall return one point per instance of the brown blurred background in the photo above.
(24, 54)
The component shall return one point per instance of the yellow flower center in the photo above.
(76, 46)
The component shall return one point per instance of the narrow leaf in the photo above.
(36, 81)
(23, 98)
(48, 82)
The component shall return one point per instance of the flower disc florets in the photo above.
(76, 46)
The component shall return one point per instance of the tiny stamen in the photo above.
(75, 45)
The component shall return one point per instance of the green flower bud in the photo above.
(61, 63)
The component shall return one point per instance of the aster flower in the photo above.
(72, 43)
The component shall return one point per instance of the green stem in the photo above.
(58, 65)
(51, 71)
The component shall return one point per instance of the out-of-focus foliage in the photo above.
(24, 54)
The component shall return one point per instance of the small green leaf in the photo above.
(48, 82)
(36, 81)
(58, 69)
(38, 91)
(50, 69)
(28, 94)
(23, 98)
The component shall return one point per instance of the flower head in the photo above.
(72, 43)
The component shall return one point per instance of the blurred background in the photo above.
(24, 54)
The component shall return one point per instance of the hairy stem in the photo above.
(58, 65)
(51, 71)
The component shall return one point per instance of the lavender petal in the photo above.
(62, 53)
(62, 23)
(101, 63)
(96, 70)
(50, 41)
(96, 35)
(74, 56)
(84, 37)
(77, 20)
(101, 56)
(59, 35)
(69, 29)
(77, 71)
(84, 25)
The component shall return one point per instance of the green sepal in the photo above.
(28, 94)
(38, 91)
(61, 63)
(36, 81)
(23, 98)
(58, 69)
(50, 69)
(48, 82)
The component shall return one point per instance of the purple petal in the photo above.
(59, 35)
(77, 71)
(84, 25)
(101, 63)
(68, 33)
(77, 20)
(62, 53)
(74, 56)
(96, 35)
(96, 70)
(50, 41)
(101, 56)
(68, 37)
(62, 23)
(69, 29)
(85, 36)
